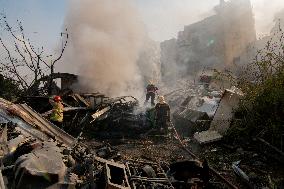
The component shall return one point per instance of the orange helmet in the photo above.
(57, 98)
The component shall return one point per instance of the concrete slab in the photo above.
(207, 136)
(223, 116)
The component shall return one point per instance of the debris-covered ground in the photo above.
(112, 143)
(213, 115)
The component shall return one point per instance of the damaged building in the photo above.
(216, 41)
(267, 43)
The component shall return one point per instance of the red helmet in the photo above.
(57, 98)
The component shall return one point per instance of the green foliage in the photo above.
(261, 112)
(225, 76)
(9, 89)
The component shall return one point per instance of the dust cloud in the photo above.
(106, 38)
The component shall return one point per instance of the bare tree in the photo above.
(21, 61)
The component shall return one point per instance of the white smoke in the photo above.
(107, 37)
(264, 12)
(164, 18)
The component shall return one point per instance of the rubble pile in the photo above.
(108, 143)
(194, 130)
(193, 106)
(203, 116)
(99, 113)
(38, 154)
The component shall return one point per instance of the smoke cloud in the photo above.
(265, 12)
(106, 39)
(111, 51)
(164, 18)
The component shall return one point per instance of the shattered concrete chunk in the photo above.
(207, 137)
(224, 114)
(41, 168)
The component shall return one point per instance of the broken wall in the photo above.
(224, 114)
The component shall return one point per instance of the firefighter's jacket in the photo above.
(162, 112)
(151, 88)
(57, 112)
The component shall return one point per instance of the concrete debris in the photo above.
(194, 106)
(38, 154)
(190, 121)
(114, 174)
(41, 168)
(35, 153)
(207, 137)
(193, 116)
(224, 114)
(222, 118)
(208, 105)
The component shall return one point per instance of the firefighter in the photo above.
(151, 91)
(162, 115)
(56, 116)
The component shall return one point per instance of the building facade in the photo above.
(215, 42)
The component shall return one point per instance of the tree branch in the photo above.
(23, 82)
(63, 48)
